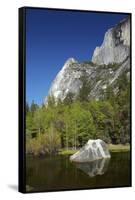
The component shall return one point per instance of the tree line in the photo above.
(72, 122)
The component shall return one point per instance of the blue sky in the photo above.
(54, 36)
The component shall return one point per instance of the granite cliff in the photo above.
(115, 46)
(109, 62)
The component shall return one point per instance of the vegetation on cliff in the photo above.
(71, 123)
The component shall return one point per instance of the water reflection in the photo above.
(57, 172)
(94, 168)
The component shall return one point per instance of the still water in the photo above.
(57, 173)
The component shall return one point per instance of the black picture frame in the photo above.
(22, 99)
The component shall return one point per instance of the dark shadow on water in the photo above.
(97, 167)
(13, 187)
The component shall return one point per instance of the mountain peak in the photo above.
(114, 52)
(116, 44)
(70, 61)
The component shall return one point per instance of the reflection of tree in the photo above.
(94, 168)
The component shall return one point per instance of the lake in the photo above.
(58, 173)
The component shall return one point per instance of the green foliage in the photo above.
(71, 123)
(27, 107)
(69, 98)
(51, 100)
(113, 66)
(43, 144)
(85, 89)
(33, 107)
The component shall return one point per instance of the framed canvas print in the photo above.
(74, 99)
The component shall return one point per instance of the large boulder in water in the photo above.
(93, 150)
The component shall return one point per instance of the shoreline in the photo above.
(113, 148)
(117, 148)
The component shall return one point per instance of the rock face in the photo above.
(116, 45)
(93, 150)
(65, 80)
(108, 64)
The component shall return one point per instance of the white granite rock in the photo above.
(64, 80)
(93, 150)
(116, 45)
(115, 49)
